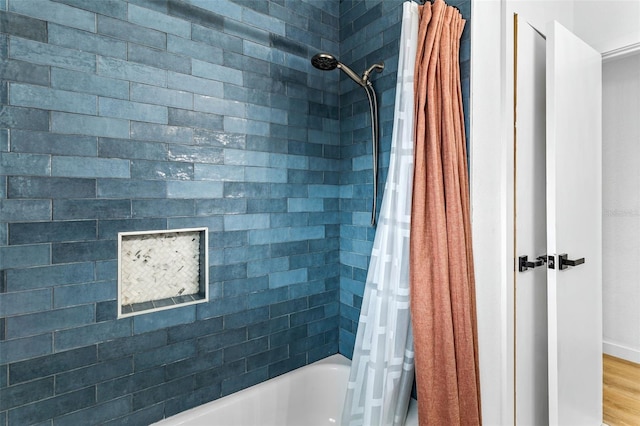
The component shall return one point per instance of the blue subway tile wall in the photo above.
(369, 33)
(145, 115)
(158, 114)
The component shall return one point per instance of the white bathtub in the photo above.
(309, 396)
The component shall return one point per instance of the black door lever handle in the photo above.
(524, 264)
(564, 261)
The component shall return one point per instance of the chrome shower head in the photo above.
(324, 61)
(328, 62)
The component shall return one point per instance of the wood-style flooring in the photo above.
(621, 392)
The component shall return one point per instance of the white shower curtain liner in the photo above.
(382, 369)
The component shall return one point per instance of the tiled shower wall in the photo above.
(163, 114)
(369, 33)
(159, 114)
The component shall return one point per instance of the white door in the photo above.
(574, 228)
(530, 292)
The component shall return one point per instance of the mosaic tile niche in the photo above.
(160, 270)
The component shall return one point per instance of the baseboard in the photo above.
(620, 351)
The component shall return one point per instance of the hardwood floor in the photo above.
(621, 392)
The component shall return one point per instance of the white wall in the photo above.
(608, 25)
(621, 207)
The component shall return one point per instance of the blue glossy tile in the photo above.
(56, 12)
(222, 306)
(131, 345)
(306, 233)
(308, 316)
(264, 267)
(25, 72)
(108, 229)
(140, 73)
(220, 206)
(213, 223)
(161, 133)
(52, 143)
(42, 232)
(87, 376)
(203, 394)
(68, 123)
(23, 26)
(164, 355)
(289, 190)
(196, 364)
(83, 251)
(162, 208)
(16, 350)
(89, 167)
(247, 32)
(232, 288)
(288, 307)
(194, 330)
(80, 294)
(141, 169)
(159, 59)
(249, 221)
(266, 328)
(106, 311)
(120, 188)
(195, 14)
(161, 96)
(16, 396)
(159, 21)
(131, 149)
(129, 384)
(218, 172)
(193, 84)
(135, 111)
(267, 206)
(24, 302)
(49, 54)
(86, 42)
(221, 340)
(216, 72)
(52, 407)
(97, 414)
(116, 9)
(191, 189)
(242, 350)
(91, 209)
(42, 322)
(24, 118)
(285, 278)
(48, 276)
(196, 154)
(245, 318)
(218, 105)
(265, 174)
(25, 164)
(247, 94)
(181, 117)
(130, 32)
(44, 187)
(51, 364)
(159, 320)
(21, 210)
(194, 49)
(246, 189)
(88, 83)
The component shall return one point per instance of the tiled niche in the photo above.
(162, 269)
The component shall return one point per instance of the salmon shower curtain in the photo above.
(441, 260)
